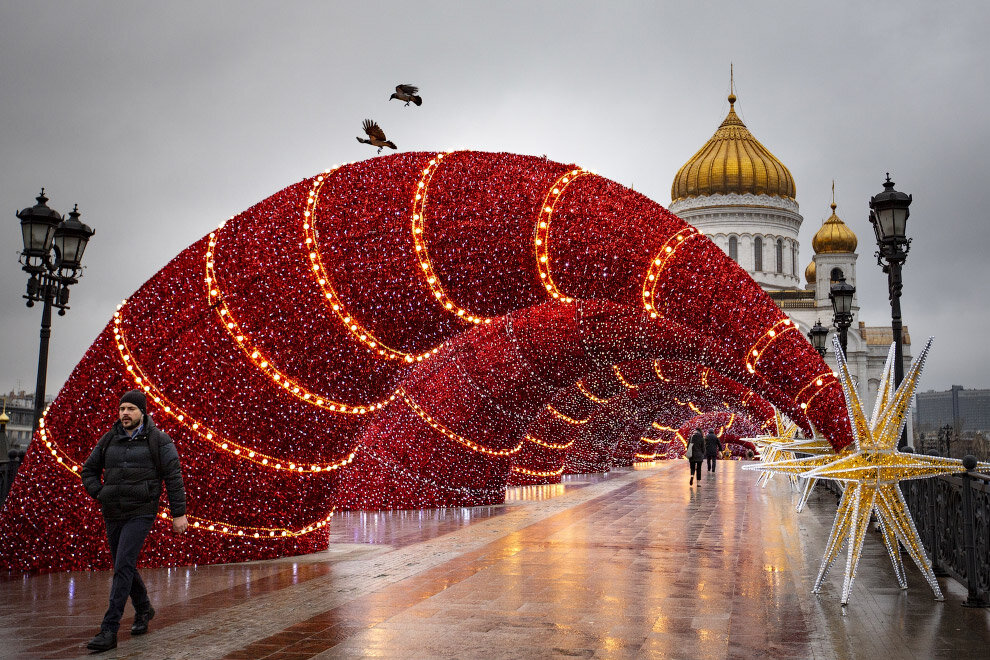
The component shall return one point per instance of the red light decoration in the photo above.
(414, 330)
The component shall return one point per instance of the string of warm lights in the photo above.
(535, 473)
(541, 243)
(584, 390)
(265, 364)
(429, 273)
(564, 418)
(64, 460)
(549, 445)
(667, 252)
(756, 351)
(656, 368)
(356, 329)
(821, 381)
(437, 426)
(625, 383)
(198, 428)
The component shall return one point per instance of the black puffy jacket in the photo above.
(131, 484)
(713, 446)
(697, 447)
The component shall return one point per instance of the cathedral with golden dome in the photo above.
(744, 199)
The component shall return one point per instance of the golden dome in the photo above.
(809, 272)
(834, 236)
(732, 161)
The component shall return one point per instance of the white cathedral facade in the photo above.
(743, 198)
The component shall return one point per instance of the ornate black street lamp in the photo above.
(818, 335)
(52, 256)
(841, 295)
(888, 214)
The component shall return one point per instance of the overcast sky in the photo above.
(162, 119)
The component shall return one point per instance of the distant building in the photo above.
(743, 198)
(965, 410)
(20, 408)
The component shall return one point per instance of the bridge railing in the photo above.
(952, 516)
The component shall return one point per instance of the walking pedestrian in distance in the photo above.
(713, 447)
(125, 474)
(695, 454)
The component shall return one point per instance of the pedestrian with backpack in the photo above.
(124, 473)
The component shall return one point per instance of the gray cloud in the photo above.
(160, 120)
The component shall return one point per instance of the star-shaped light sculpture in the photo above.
(872, 471)
(777, 447)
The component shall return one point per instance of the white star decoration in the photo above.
(872, 468)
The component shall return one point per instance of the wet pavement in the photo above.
(633, 564)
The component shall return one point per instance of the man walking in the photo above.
(125, 474)
(713, 447)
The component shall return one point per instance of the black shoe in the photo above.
(141, 620)
(104, 641)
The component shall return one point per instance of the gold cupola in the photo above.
(810, 272)
(834, 236)
(732, 161)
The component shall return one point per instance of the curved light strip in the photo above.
(437, 426)
(316, 265)
(667, 252)
(422, 255)
(756, 351)
(264, 363)
(200, 524)
(656, 368)
(584, 390)
(544, 443)
(626, 383)
(533, 473)
(728, 425)
(821, 382)
(541, 240)
(564, 418)
(200, 430)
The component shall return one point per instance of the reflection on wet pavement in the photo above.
(636, 563)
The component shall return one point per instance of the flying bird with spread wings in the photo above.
(407, 93)
(376, 136)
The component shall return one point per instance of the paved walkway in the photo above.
(633, 564)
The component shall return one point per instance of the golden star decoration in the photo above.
(777, 447)
(872, 471)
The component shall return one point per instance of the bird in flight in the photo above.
(407, 93)
(376, 136)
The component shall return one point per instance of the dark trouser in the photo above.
(695, 468)
(126, 538)
(711, 463)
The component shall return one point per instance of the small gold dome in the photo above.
(732, 161)
(834, 236)
(810, 272)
